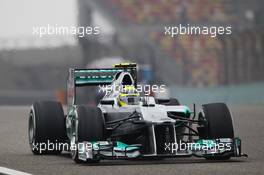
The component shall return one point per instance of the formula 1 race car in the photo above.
(125, 125)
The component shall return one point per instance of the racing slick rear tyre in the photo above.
(46, 128)
(218, 124)
(90, 127)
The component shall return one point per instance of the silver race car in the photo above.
(125, 125)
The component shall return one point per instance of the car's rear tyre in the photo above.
(217, 123)
(90, 127)
(46, 128)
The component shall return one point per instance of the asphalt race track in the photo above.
(15, 153)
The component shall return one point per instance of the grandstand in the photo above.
(163, 11)
(189, 60)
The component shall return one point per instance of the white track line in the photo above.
(8, 171)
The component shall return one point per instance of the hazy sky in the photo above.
(17, 17)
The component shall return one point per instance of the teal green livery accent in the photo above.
(187, 111)
(120, 146)
(97, 76)
(206, 143)
(93, 79)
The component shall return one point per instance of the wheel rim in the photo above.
(31, 128)
(74, 139)
(73, 147)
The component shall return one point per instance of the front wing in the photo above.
(200, 148)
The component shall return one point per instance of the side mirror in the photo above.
(107, 102)
(176, 115)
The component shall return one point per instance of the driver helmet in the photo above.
(128, 96)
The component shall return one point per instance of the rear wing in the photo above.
(103, 76)
(93, 77)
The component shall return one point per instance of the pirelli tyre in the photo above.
(217, 123)
(46, 128)
(90, 127)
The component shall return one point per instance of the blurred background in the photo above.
(195, 68)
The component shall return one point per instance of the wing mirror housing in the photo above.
(107, 102)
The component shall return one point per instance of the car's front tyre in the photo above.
(216, 121)
(89, 128)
